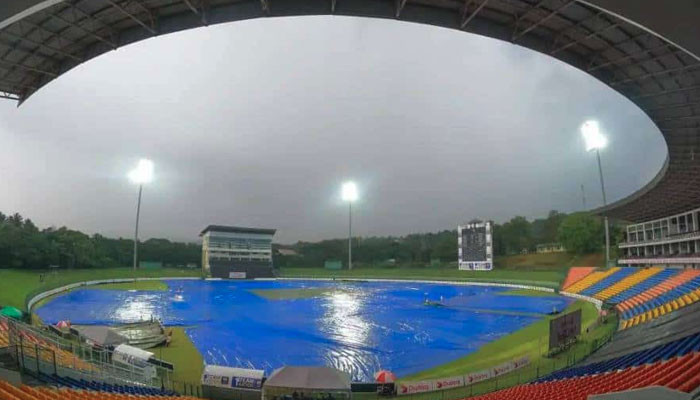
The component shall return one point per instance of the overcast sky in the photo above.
(257, 123)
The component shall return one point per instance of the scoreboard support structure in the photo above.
(475, 246)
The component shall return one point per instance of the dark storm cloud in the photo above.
(258, 123)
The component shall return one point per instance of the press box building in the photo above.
(234, 252)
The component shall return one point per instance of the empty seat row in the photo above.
(609, 281)
(24, 392)
(590, 279)
(675, 298)
(663, 309)
(643, 286)
(630, 281)
(670, 283)
(33, 344)
(680, 373)
(82, 384)
(676, 348)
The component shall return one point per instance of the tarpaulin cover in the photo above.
(357, 327)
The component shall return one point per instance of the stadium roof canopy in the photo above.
(237, 229)
(645, 49)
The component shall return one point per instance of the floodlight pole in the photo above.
(605, 204)
(349, 235)
(136, 231)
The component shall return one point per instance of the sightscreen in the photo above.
(564, 329)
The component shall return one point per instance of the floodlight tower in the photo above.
(349, 194)
(596, 141)
(143, 173)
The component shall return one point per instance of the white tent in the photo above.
(307, 381)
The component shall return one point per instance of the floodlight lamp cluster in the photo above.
(349, 191)
(143, 173)
(592, 136)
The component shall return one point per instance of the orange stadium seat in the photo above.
(576, 274)
(680, 373)
(24, 392)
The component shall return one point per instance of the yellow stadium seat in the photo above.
(693, 296)
(662, 310)
(674, 305)
(668, 307)
(655, 312)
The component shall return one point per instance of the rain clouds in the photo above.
(257, 123)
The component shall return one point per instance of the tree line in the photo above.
(23, 245)
(579, 233)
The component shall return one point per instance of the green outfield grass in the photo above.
(17, 285)
(531, 341)
(290, 294)
(181, 352)
(547, 270)
(159, 286)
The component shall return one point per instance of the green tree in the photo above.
(581, 233)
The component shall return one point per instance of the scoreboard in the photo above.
(475, 245)
(564, 329)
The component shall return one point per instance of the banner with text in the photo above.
(458, 381)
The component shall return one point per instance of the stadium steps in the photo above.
(628, 282)
(642, 287)
(672, 282)
(658, 332)
(82, 384)
(608, 281)
(676, 298)
(591, 279)
(676, 348)
(24, 392)
(680, 373)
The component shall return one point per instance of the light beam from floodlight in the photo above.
(143, 173)
(595, 140)
(349, 193)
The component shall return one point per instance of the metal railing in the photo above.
(540, 368)
(63, 357)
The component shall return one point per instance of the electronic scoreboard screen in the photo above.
(564, 329)
(475, 250)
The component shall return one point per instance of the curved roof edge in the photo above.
(637, 194)
(647, 50)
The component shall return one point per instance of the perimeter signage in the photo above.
(448, 383)
(466, 380)
(416, 387)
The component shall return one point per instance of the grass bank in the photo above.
(17, 285)
(547, 270)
